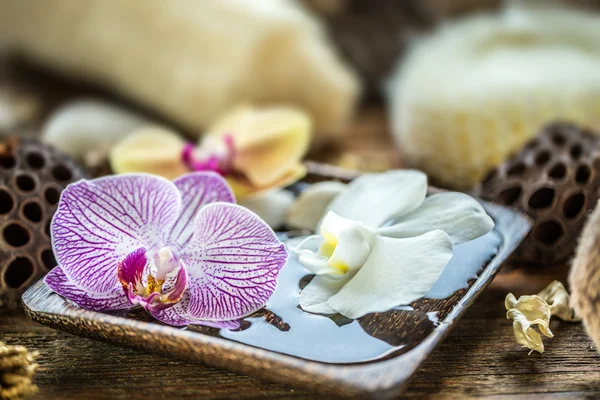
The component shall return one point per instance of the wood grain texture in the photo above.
(479, 358)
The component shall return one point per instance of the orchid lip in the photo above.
(156, 281)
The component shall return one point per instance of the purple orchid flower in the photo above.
(182, 250)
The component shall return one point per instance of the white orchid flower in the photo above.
(383, 243)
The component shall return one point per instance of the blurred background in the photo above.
(366, 71)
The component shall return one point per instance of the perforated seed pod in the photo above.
(32, 176)
(554, 179)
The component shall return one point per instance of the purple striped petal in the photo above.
(178, 316)
(197, 189)
(232, 262)
(114, 299)
(99, 222)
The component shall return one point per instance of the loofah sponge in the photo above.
(189, 60)
(584, 278)
(371, 35)
(554, 179)
(476, 90)
(32, 176)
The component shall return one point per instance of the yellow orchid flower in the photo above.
(152, 149)
(260, 149)
(256, 150)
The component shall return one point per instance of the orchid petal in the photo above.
(397, 272)
(459, 215)
(374, 199)
(197, 190)
(151, 149)
(312, 203)
(232, 261)
(307, 253)
(271, 206)
(100, 222)
(268, 142)
(316, 264)
(333, 225)
(111, 299)
(179, 316)
(342, 246)
(312, 243)
(243, 188)
(314, 297)
(351, 252)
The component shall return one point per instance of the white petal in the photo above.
(312, 242)
(459, 215)
(333, 225)
(271, 207)
(376, 198)
(317, 264)
(315, 295)
(351, 252)
(307, 253)
(397, 272)
(312, 204)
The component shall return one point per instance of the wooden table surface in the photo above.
(479, 358)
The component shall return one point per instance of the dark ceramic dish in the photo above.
(373, 356)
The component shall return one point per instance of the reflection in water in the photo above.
(314, 337)
(339, 340)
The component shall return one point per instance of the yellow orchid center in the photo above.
(327, 249)
(154, 286)
(328, 246)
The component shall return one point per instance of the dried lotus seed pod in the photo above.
(554, 179)
(32, 176)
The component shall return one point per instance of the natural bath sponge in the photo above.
(584, 278)
(473, 92)
(190, 60)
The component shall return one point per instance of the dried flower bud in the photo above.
(529, 311)
(17, 367)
